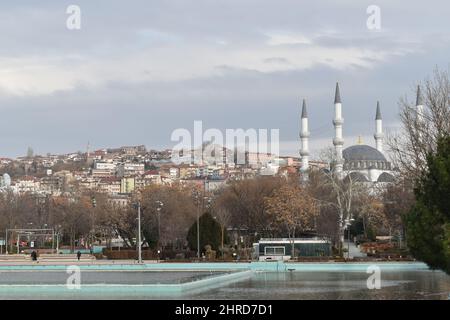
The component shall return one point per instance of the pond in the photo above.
(227, 281)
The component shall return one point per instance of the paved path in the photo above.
(61, 260)
(354, 250)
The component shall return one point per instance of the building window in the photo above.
(274, 251)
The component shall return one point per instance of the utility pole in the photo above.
(159, 207)
(198, 231)
(139, 232)
(18, 241)
(57, 242)
(196, 196)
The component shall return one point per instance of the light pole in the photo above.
(159, 204)
(198, 228)
(139, 232)
(197, 200)
(6, 241)
(18, 243)
(348, 223)
(57, 238)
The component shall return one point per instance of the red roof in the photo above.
(151, 172)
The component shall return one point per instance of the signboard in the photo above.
(2, 242)
(32, 244)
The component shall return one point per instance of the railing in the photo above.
(294, 239)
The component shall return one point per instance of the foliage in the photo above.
(428, 222)
(210, 233)
(293, 208)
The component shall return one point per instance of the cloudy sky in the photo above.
(137, 70)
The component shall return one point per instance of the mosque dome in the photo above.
(364, 157)
(362, 153)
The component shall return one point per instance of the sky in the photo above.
(137, 70)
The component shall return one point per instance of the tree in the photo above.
(428, 222)
(223, 217)
(420, 130)
(245, 200)
(335, 191)
(397, 198)
(72, 213)
(368, 208)
(168, 223)
(210, 233)
(293, 209)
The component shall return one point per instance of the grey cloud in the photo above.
(134, 110)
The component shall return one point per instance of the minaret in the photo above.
(338, 141)
(419, 113)
(419, 105)
(378, 129)
(304, 136)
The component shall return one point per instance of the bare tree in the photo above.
(337, 190)
(246, 202)
(223, 217)
(421, 128)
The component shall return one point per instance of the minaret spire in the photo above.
(419, 101)
(419, 113)
(338, 141)
(337, 94)
(378, 129)
(419, 104)
(304, 136)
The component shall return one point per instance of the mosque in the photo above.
(360, 162)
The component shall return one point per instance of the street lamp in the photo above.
(57, 238)
(195, 193)
(348, 223)
(138, 206)
(159, 207)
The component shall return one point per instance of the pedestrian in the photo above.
(33, 255)
(78, 255)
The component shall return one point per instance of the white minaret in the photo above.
(338, 141)
(419, 113)
(304, 136)
(419, 105)
(378, 129)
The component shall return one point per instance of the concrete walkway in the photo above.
(354, 251)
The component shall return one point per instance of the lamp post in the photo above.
(58, 228)
(198, 228)
(6, 241)
(195, 194)
(200, 201)
(348, 223)
(138, 206)
(18, 243)
(159, 207)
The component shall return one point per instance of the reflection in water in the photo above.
(294, 285)
(335, 285)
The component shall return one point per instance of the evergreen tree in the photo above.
(210, 233)
(428, 222)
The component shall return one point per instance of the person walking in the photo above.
(78, 255)
(33, 255)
